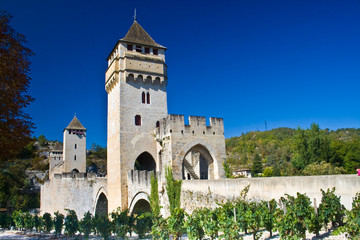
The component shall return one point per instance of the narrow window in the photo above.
(155, 51)
(69, 131)
(138, 48)
(143, 97)
(203, 132)
(138, 120)
(157, 124)
(75, 146)
(129, 47)
(147, 50)
(148, 98)
(74, 157)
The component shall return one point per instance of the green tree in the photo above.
(71, 222)
(58, 222)
(227, 169)
(28, 221)
(121, 221)
(173, 189)
(48, 222)
(86, 224)
(38, 223)
(103, 226)
(154, 196)
(18, 218)
(257, 165)
(15, 124)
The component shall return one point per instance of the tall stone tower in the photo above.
(135, 81)
(74, 148)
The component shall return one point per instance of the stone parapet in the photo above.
(175, 124)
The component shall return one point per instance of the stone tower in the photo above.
(74, 148)
(135, 81)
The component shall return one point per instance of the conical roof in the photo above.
(58, 146)
(75, 124)
(137, 34)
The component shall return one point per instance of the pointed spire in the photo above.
(137, 34)
(75, 124)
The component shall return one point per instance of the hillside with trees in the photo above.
(289, 152)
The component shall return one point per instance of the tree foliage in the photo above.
(173, 189)
(15, 124)
(154, 196)
(58, 222)
(288, 152)
(71, 222)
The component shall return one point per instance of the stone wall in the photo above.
(175, 139)
(77, 192)
(202, 193)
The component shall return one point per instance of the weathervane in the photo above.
(135, 15)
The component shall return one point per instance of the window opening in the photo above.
(143, 97)
(148, 98)
(147, 50)
(74, 157)
(157, 124)
(138, 120)
(75, 146)
(155, 51)
(129, 47)
(138, 48)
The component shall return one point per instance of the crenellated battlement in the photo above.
(76, 175)
(175, 124)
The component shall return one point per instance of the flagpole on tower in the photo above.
(135, 15)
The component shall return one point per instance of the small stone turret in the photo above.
(74, 148)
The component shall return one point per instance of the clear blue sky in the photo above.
(287, 62)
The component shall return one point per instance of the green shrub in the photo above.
(48, 222)
(352, 223)
(195, 224)
(331, 209)
(103, 226)
(28, 221)
(159, 229)
(5, 220)
(143, 224)
(86, 224)
(176, 223)
(58, 222)
(71, 223)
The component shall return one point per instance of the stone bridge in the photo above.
(78, 191)
(207, 193)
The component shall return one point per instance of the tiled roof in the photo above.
(75, 124)
(137, 34)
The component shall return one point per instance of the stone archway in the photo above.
(140, 203)
(145, 162)
(101, 205)
(197, 163)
